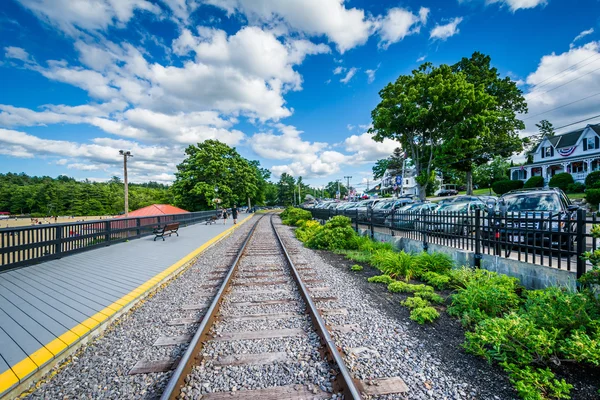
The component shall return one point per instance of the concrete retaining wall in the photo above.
(532, 276)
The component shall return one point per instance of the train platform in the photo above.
(48, 310)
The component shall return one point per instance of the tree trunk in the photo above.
(470, 182)
(422, 191)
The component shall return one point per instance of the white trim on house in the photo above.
(564, 153)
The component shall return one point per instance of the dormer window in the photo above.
(548, 151)
(591, 143)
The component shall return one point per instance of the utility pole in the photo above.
(299, 188)
(348, 186)
(339, 191)
(367, 184)
(403, 174)
(126, 154)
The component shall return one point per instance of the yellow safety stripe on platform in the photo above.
(30, 364)
(7, 380)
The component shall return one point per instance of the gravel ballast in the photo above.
(389, 344)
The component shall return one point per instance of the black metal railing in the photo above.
(543, 238)
(32, 244)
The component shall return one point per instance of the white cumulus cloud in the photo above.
(399, 23)
(443, 32)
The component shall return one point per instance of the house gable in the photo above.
(590, 139)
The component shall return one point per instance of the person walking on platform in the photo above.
(234, 213)
(224, 216)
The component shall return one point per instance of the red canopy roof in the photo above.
(157, 209)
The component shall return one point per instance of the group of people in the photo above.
(224, 214)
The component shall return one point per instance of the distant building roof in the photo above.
(570, 138)
(157, 209)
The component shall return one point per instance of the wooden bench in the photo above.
(168, 229)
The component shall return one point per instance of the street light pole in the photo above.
(348, 186)
(126, 154)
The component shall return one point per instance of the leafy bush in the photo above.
(592, 181)
(358, 256)
(501, 187)
(307, 230)
(582, 347)
(436, 280)
(294, 216)
(534, 182)
(432, 262)
(576, 187)
(381, 279)
(391, 262)
(592, 196)
(562, 180)
(512, 339)
(337, 233)
(537, 383)
(415, 302)
(486, 295)
(403, 287)
(431, 296)
(424, 314)
(364, 243)
(555, 308)
(356, 267)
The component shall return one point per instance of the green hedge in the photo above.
(534, 182)
(506, 186)
(562, 181)
(593, 196)
(592, 181)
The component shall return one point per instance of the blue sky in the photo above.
(290, 83)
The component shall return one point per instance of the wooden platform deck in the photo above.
(50, 308)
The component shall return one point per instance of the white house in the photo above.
(408, 185)
(576, 152)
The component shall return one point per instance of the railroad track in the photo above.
(262, 321)
(262, 335)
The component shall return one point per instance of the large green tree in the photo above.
(486, 174)
(213, 165)
(332, 188)
(286, 188)
(487, 125)
(380, 167)
(426, 109)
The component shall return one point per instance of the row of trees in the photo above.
(451, 117)
(23, 194)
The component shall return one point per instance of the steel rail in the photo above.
(346, 382)
(192, 354)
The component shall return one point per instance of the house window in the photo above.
(548, 151)
(406, 182)
(591, 143)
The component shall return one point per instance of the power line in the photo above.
(539, 84)
(564, 84)
(564, 105)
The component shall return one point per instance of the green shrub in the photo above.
(381, 279)
(356, 267)
(512, 339)
(399, 287)
(592, 181)
(555, 308)
(486, 295)
(534, 182)
(364, 243)
(339, 221)
(501, 187)
(436, 280)
(357, 255)
(576, 187)
(308, 230)
(415, 302)
(432, 262)
(294, 216)
(431, 296)
(403, 287)
(391, 262)
(582, 347)
(460, 277)
(592, 196)
(537, 383)
(424, 314)
(562, 180)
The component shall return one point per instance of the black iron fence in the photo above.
(543, 238)
(32, 244)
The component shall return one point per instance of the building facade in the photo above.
(576, 152)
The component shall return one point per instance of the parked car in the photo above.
(454, 218)
(447, 190)
(544, 217)
(408, 216)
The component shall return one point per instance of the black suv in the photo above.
(544, 217)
